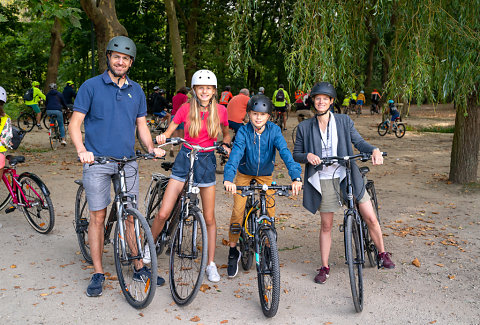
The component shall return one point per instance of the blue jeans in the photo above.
(59, 116)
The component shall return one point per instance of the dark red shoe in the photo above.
(384, 261)
(322, 275)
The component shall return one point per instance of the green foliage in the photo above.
(438, 129)
(14, 108)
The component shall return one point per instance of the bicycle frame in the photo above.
(16, 188)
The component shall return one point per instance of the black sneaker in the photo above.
(145, 272)
(39, 126)
(233, 258)
(95, 287)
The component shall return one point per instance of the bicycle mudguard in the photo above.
(37, 179)
(79, 182)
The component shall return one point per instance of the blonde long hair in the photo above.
(195, 120)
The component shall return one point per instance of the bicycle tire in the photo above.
(268, 272)
(155, 198)
(400, 130)
(294, 134)
(188, 257)
(82, 220)
(382, 128)
(54, 135)
(139, 293)
(5, 196)
(26, 122)
(34, 201)
(280, 121)
(370, 247)
(45, 121)
(144, 148)
(355, 266)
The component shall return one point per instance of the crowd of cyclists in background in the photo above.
(195, 114)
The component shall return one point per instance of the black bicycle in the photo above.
(185, 231)
(28, 119)
(131, 238)
(356, 236)
(258, 238)
(54, 132)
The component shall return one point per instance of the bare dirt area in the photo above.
(43, 277)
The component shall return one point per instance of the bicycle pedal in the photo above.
(10, 209)
(340, 228)
(235, 228)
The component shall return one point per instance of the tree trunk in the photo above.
(466, 141)
(369, 68)
(176, 44)
(56, 47)
(104, 16)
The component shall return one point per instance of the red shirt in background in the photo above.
(177, 101)
(237, 108)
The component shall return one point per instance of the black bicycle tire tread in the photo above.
(400, 126)
(81, 239)
(19, 124)
(349, 237)
(272, 311)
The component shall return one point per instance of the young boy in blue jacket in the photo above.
(253, 154)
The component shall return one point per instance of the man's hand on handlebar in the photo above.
(230, 187)
(86, 157)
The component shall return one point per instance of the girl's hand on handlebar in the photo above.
(313, 159)
(161, 139)
(86, 157)
(377, 158)
(230, 187)
(296, 187)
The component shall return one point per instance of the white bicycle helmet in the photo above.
(261, 89)
(3, 94)
(204, 78)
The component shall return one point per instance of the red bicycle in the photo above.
(28, 192)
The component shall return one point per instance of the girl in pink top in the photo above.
(204, 119)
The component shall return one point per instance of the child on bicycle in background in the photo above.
(5, 130)
(393, 111)
(204, 119)
(360, 101)
(253, 153)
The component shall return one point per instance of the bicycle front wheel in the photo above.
(36, 204)
(132, 236)
(268, 273)
(54, 135)
(26, 121)
(82, 220)
(370, 248)
(354, 261)
(382, 128)
(400, 130)
(188, 257)
(294, 134)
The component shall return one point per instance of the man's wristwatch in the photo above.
(298, 179)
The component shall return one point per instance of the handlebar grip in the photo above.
(155, 141)
(384, 154)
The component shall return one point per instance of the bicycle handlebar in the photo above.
(176, 141)
(105, 159)
(280, 190)
(363, 156)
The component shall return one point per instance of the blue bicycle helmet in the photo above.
(391, 101)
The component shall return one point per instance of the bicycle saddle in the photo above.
(364, 170)
(13, 160)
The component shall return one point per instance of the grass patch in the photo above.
(438, 129)
(33, 150)
(472, 187)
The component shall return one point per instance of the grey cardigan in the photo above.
(307, 142)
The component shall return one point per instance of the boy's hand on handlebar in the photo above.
(86, 157)
(296, 187)
(313, 159)
(161, 139)
(377, 158)
(230, 187)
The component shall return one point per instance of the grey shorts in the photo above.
(332, 194)
(97, 179)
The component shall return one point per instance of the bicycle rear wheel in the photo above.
(268, 273)
(400, 130)
(26, 121)
(188, 257)
(382, 128)
(129, 249)
(36, 204)
(54, 135)
(353, 254)
(370, 248)
(82, 220)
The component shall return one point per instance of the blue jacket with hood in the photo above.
(254, 154)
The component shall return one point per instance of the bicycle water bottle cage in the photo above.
(235, 228)
(364, 170)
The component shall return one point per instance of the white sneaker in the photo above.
(147, 259)
(212, 273)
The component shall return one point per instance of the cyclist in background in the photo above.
(225, 96)
(177, 101)
(393, 111)
(5, 130)
(253, 153)
(360, 101)
(55, 103)
(325, 135)
(204, 120)
(261, 91)
(111, 105)
(69, 95)
(160, 105)
(280, 101)
(237, 110)
(33, 104)
(375, 97)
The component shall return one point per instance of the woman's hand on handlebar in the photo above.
(161, 138)
(313, 159)
(230, 187)
(377, 158)
(296, 187)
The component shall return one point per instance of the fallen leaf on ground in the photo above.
(416, 262)
(195, 319)
(178, 317)
(140, 314)
(451, 276)
(223, 266)
(439, 264)
(224, 321)
(224, 242)
(204, 287)
(13, 266)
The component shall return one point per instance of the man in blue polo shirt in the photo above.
(110, 105)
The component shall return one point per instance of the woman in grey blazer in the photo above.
(324, 135)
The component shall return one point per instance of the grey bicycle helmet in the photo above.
(123, 45)
(162, 91)
(260, 103)
(52, 85)
(323, 88)
(156, 88)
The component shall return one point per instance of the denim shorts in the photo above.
(203, 167)
(97, 179)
